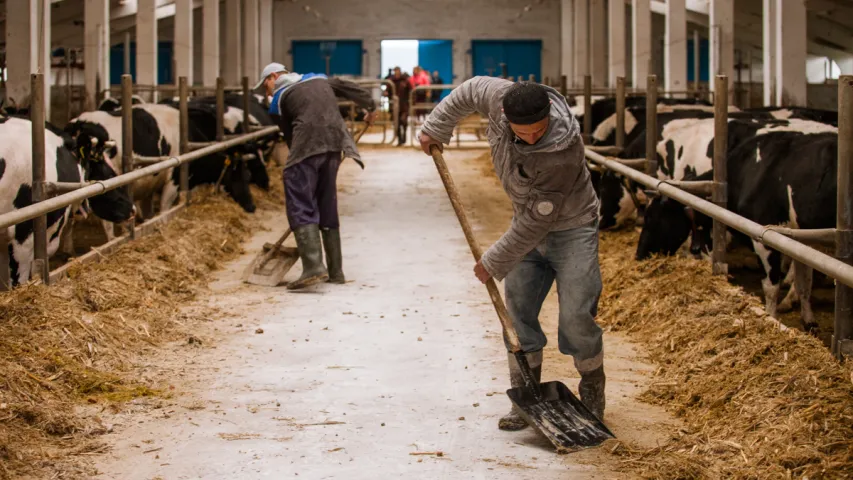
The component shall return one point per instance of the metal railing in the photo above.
(788, 241)
(414, 108)
(78, 192)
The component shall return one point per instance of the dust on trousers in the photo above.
(311, 193)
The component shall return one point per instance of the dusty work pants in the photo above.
(571, 258)
(311, 192)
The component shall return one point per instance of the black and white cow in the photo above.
(60, 166)
(112, 104)
(155, 134)
(235, 168)
(779, 173)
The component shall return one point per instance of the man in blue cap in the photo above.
(306, 110)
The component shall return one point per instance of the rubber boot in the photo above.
(513, 420)
(311, 253)
(334, 260)
(591, 389)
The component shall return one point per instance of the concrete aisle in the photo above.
(348, 381)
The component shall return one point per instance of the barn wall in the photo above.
(461, 22)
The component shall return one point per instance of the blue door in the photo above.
(520, 57)
(345, 56)
(165, 75)
(437, 55)
(703, 59)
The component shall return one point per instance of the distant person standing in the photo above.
(403, 88)
(436, 80)
(420, 77)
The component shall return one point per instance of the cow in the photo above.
(111, 104)
(234, 169)
(203, 119)
(61, 165)
(155, 134)
(779, 173)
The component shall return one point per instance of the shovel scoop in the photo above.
(550, 408)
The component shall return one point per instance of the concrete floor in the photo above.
(348, 381)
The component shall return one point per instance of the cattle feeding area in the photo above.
(758, 399)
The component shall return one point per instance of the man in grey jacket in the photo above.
(538, 155)
(306, 110)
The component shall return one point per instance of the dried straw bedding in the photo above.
(75, 343)
(758, 401)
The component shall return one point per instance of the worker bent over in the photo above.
(538, 154)
(306, 110)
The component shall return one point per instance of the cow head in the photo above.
(665, 228)
(93, 149)
(236, 178)
(619, 203)
(257, 166)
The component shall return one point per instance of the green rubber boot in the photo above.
(334, 257)
(311, 253)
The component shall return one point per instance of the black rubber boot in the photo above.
(591, 389)
(311, 253)
(513, 420)
(334, 258)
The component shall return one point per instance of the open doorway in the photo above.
(434, 56)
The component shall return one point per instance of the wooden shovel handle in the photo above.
(274, 249)
(491, 286)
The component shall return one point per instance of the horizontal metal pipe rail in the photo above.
(769, 236)
(97, 188)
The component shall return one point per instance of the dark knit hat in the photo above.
(526, 103)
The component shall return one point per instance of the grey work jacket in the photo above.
(548, 182)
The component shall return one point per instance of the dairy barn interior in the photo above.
(322, 239)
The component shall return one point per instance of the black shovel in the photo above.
(550, 407)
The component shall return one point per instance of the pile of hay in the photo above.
(75, 343)
(760, 401)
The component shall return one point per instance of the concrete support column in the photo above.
(184, 40)
(581, 42)
(210, 47)
(675, 57)
(265, 19)
(769, 39)
(232, 70)
(25, 51)
(616, 45)
(722, 54)
(641, 44)
(96, 41)
(146, 43)
(791, 53)
(567, 42)
(598, 42)
(251, 47)
(373, 59)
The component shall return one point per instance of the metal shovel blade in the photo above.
(560, 416)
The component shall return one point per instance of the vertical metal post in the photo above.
(532, 78)
(40, 265)
(127, 138)
(564, 85)
(246, 97)
(749, 78)
(652, 126)
(843, 336)
(220, 109)
(67, 84)
(696, 62)
(184, 136)
(620, 112)
(127, 53)
(719, 195)
(587, 108)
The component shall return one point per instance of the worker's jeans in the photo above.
(570, 257)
